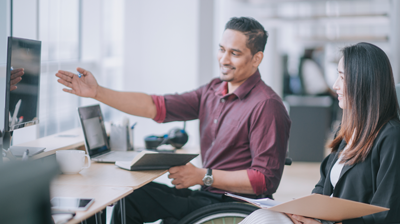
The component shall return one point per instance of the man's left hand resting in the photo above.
(232, 181)
(186, 176)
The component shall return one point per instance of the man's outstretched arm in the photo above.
(138, 104)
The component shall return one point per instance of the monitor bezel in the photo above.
(7, 127)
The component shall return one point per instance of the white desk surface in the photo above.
(105, 174)
(65, 140)
(103, 196)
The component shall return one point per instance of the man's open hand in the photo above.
(16, 77)
(85, 86)
(186, 176)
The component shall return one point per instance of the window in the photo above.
(74, 33)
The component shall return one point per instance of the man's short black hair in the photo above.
(254, 31)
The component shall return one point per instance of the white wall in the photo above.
(161, 56)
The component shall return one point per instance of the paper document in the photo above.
(261, 203)
(318, 206)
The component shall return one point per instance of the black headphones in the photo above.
(176, 137)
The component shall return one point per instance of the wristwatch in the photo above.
(208, 179)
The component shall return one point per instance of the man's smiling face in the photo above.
(234, 57)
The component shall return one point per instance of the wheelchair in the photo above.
(219, 213)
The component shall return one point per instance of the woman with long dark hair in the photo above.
(364, 164)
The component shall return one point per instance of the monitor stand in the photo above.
(18, 151)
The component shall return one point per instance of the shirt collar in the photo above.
(243, 89)
(248, 85)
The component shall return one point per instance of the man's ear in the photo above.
(257, 58)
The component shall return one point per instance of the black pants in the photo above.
(156, 201)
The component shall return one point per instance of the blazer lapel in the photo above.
(341, 147)
(329, 191)
(345, 167)
(344, 170)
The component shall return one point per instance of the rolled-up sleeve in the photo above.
(183, 107)
(257, 181)
(269, 134)
(160, 107)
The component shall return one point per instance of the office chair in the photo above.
(25, 191)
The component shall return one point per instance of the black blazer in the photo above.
(374, 181)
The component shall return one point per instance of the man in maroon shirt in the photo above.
(244, 129)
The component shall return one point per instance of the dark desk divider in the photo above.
(25, 191)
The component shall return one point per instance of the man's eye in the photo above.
(222, 50)
(233, 53)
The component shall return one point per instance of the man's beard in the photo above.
(224, 78)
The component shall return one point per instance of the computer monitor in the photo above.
(21, 90)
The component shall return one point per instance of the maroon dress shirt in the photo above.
(245, 130)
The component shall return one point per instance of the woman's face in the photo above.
(339, 84)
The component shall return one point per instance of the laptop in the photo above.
(96, 141)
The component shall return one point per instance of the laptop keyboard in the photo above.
(117, 156)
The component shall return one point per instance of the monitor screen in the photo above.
(22, 83)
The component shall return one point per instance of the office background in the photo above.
(159, 47)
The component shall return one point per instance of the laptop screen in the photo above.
(93, 129)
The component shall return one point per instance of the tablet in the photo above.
(71, 203)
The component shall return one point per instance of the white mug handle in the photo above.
(88, 158)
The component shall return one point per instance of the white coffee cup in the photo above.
(72, 161)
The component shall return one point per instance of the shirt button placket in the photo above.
(218, 113)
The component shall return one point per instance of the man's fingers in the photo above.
(15, 81)
(17, 74)
(175, 182)
(179, 186)
(64, 77)
(173, 170)
(67, 73)
(82, 71)
(65, 83)
(69, 91)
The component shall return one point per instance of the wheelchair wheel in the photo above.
(220, 213)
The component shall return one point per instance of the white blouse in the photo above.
(337, 168)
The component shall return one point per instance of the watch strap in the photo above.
(209, 172)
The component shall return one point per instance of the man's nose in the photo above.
(224, 59)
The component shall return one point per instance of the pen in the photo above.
(79, 75)
(133, 125)
(25, 155)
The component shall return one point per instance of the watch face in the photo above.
(208, 180)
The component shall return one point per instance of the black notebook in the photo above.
(149, 160)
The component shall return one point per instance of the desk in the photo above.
(103, 196)
(106, 174)
(101, 181)
(65, 140)
(97, 181)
